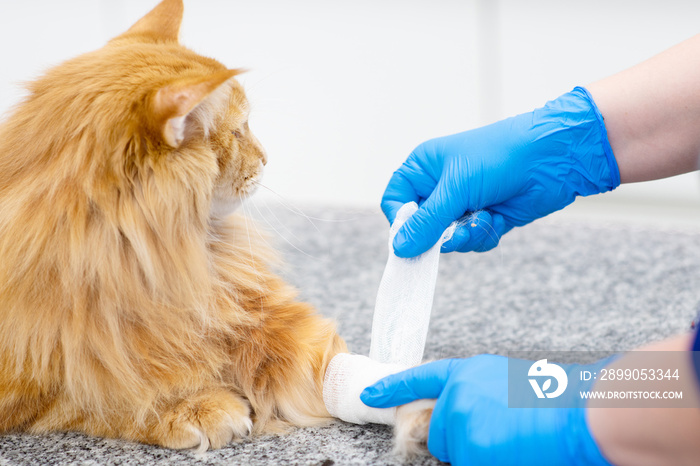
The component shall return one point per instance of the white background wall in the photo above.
(343, 90)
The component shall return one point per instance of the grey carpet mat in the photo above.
(550, 286)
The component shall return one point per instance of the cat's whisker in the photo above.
(248, 228)
(291, 207)
(250, 246)
(276, 218)
(283, 236)
(248, 214)
(288, 205)
(474, 222)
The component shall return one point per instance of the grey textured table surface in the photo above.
(551, 286)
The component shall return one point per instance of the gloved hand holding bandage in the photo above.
(399, 331)
(512, 172)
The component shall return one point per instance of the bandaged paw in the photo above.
(346, 376)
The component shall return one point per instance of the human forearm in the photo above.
(652, 114)
(650, 436)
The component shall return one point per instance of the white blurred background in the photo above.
(342, 91)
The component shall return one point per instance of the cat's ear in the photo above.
(162, 23)
(172, 103)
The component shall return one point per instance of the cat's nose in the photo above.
(263, 156)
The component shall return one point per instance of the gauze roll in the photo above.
(399, 330)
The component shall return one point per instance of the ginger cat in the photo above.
(132, 305)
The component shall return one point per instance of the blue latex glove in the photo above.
(513, 171)
(472, 422)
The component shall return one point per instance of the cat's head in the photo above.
(190, 101)
(142, 117)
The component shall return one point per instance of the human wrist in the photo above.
(647, 435)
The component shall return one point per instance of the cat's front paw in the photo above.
(208, 419)
(412, 427)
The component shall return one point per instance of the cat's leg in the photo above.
(412, 427)
(20, 404)
(209, 418)
(281, 363)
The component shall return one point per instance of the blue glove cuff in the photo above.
(607, 149)
(581, 445)
(570, 134)
(582, 442)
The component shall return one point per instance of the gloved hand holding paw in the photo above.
(472, 422)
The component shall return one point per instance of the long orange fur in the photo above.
(130, 306)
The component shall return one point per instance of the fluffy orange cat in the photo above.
(131, 304)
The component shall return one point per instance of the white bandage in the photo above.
(405, 299)
(347, 375)
(399, 330)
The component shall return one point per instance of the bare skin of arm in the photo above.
(652, 114)
(651, 436)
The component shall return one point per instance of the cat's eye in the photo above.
(237, 134)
